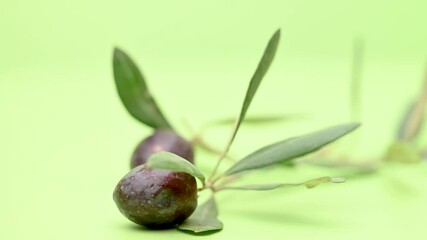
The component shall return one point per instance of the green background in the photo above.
(66, 138)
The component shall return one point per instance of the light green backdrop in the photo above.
(65, 137)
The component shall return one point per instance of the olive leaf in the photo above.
(411, 123)
(259, 74)
(204, 219)
(291, 148)
(308, 184)
(172, 162)
(412, 120)
(404, 126)
(134, 93)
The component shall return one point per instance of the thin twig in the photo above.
(197, 139)
(225, 152)
(226, 182)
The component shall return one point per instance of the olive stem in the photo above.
(226, 182)
(207, 185)
(217, 178)
(215, 188)
(197, 139)
(223, 185)
(225, 152)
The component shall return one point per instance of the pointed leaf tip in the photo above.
(116, 50)
(261, 70)
(278, 33)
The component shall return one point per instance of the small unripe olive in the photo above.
(156, 199)
(162, 140)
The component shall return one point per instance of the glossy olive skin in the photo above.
(156, 199)
(162, 140)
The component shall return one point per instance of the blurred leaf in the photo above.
(134, 92)
(172, 162)
(367, 166)
(255, 119)
(424, 154)
(309, 184)
(402, 152)
(259, 74)
(407, 129)
(204, 219)
(291, 148)
(356, 79)
(412, 121)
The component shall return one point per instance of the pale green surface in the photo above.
(66, 139)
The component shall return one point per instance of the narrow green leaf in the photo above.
(204, 219)
(134, 93)
(404, 123)
(308, 184)
(412, 121)
(291, 148)
(172, 162)
(259, 74)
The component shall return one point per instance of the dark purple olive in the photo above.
(162, 140)
(156, 199)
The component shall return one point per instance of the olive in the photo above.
(156, 199)
(162, 140)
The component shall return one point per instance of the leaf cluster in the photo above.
(139, 102)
